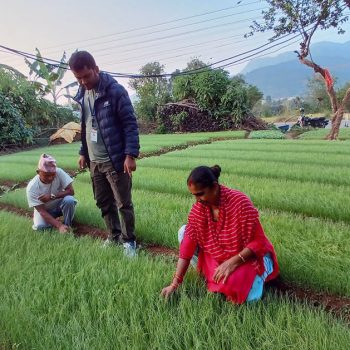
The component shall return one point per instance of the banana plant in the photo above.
(52, 75)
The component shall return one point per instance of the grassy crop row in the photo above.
(305, 198)
(307, 208)
(283, 146)
(151, 143)
(266, 134)
(309, 249)
(321, 134)
(301, 171)
(283, 158)
(21, 166)
(57, 292)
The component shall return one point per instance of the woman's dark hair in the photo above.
(204, 176)
(81, 59)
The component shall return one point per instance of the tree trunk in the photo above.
(336, 121)
(338, 117)
(337, 109)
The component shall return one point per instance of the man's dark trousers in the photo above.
(112, 192)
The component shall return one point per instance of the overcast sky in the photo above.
(124, 35)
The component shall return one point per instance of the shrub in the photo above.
(12, 127)
(178, 119)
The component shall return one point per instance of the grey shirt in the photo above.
(96, 147)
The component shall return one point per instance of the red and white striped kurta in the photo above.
(238, 227)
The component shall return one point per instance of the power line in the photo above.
(56, 63)
(178, 27)
(238, 4)
(249, 58)
(159, 52)
(175, 48)
(178, 48)
(178, 34)
(172, 36)
(203, 69)
(138, 58)
(251, 53)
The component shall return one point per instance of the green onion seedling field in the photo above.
(58, 291)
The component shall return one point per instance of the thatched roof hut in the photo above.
(67, 134)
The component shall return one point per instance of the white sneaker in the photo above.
(130, 249)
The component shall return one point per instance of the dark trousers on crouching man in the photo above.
(112, 192)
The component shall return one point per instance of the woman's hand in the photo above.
(223, 271)
(168, 291)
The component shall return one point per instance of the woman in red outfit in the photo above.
(234, 255)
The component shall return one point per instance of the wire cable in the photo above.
(58, 64)
(238, 4)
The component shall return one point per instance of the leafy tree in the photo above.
(215, 92)
(253, 93)
(235, 101)
(341, 93)
(12, 127)
(37, 112)
(317, 97)
(206, 87)
(183, 87)
(22, 94)
(51, 74)
(195, 64)
(14, 71)
(209, 86)
(152, 91)
(306, 17)
(183, 84)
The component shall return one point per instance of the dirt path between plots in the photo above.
(9, 185)
(337, 305)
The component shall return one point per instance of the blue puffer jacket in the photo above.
(116, 119)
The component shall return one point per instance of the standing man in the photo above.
(110, 145)
(51, 192)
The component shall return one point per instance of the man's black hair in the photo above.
(81, 59)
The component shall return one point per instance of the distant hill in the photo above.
(283, 75)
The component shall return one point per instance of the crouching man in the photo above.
(51, 192)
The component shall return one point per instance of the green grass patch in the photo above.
(306, 198)
(269, 168)
(309, 249)
(21, 166)
(298, 200)
(321, 134)
(266, 134)
(282, 146)
(71, 294)
(153, 143)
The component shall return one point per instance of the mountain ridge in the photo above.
(270, 74)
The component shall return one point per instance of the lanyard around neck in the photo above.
(91, 108)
